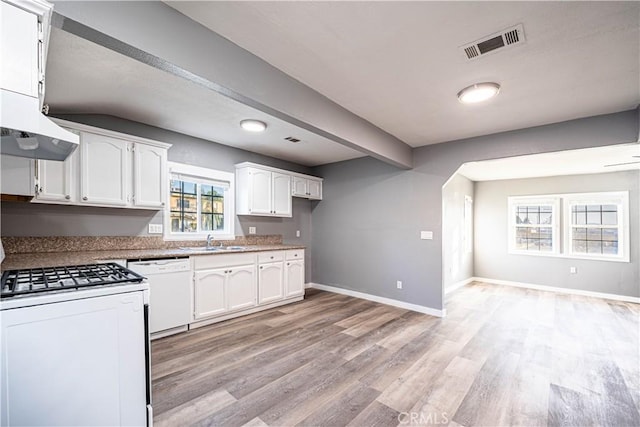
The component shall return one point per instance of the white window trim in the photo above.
(619, 198)
(229, 202)
(554, 202)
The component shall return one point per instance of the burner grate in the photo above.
(49, 279)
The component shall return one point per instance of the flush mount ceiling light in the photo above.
(478, 92)
(253, 125)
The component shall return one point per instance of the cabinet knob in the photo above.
(85, 198)
(288, 263)
(162, 204)
(67, 197)
(261, 268)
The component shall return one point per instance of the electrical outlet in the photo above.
(573, 270)
(297, 233)
(399, 284)
(426, 235)
(252, 230)
(155, 228)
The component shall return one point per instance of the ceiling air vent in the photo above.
(509, 37)
(292, 139)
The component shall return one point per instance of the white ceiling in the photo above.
(77, 82)
(399, 66)
(612, 158)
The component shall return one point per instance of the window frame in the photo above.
(618, 198)
(554, 202)
(201, 176)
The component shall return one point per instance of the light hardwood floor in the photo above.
(502, 356)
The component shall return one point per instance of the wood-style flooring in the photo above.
(502, 356)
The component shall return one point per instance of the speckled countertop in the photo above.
(74, 251)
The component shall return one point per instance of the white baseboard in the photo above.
(458, 285)
(558, 290)
(382, 300)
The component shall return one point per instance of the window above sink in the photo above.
(201, 203)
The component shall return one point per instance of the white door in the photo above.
(281, 194)
(209, 293)
(19, 64)
(150, 176)
(294, 278)
(78, 362)
(314, 189)
(56, 180)
(299, 186)
(105, 174)
(270, 283)
(259, 191)
(241, 287)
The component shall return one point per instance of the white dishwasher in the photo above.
(170, 294)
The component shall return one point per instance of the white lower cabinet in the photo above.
(270, 282)
(209, 293)
(229, 285)
(241, 287)
(294, 278)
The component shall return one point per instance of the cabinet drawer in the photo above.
(295, 254)
(271, 256)
(202, 262)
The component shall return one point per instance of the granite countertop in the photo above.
(53, 259)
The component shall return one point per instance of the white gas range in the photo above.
(75, 347)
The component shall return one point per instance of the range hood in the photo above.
(26, 132)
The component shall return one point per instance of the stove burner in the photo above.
(49, 279)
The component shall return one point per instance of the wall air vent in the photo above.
(509, 37)
(292, 139)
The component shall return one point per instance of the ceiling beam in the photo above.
(157, 35)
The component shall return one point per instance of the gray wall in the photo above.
(457, 263)
(33, 219)
(493, 261)
(223, 67)
(366, 230)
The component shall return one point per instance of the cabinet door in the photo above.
(294, 278)
(16, 175)
(209, 293)
(56, 180)
(314, 189)
(259, 191)
(150, 176)
(105, 174)
(19, 65)
(299, 187)
(281, 194)
(241, 287)
(270, 283)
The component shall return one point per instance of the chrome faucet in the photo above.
(209, 240)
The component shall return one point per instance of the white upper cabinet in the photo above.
(150, 176)
(55, 181)
(281, 185)
(307, 187)
(104, 170)
(20, 68)
(108, 169)
(266, 191)
(262, 192)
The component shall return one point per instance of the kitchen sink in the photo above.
(213, 248)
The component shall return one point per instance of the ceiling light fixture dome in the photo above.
(478, 92)
(251, 125)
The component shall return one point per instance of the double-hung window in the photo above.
(200, 203)
(533, 225)
(597, 225)
(593, 225)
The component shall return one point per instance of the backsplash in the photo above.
(15, 245)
